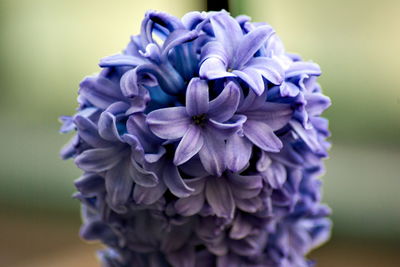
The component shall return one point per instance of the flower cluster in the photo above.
(201, 145)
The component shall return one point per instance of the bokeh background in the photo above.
(48, 46)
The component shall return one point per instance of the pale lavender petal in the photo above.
(197, 97)
(193, 168)
(276, 115)
(108, 127)
(263, 162)
(100, 91)
(214, 68)
(190, 144)
(252, 80)
(225, 104)
(169, 123)
(289, 89)
(269, 68)
(301, 67)
(141, 176)
(174, 181)
(275, 175)
(219, 197)
(212, 154)
(190, 205)
(262, 136)
(251, 43)
(225, 130)
(98, 159)
(308, 136)
(214, 49)
(227, 31)
(317, 103)
(238, 152)
(89, 184)
(148, 195)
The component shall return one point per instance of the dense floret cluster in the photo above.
(201, 145)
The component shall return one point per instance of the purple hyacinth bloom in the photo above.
(201, 145)
(232, 54)
(202, 125)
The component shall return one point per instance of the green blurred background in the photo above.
(48, 46)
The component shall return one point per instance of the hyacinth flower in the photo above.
(201, 145)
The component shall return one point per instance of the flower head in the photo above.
(201, 145)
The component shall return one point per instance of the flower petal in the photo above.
(108, 127)
(251, 43)
(227, 31)
(88, 131)
(316, 103)
(269, 68)
(119, 184)
(197, 97)
(238, 152)
(190, 205)
(225, 104)
(212, 154)
(213, 68)
(148, 195)
(174, 181)
(190, 144)
(169, 123)
(98, 159)
(275, 115)
(252, 78)
(250, 205)
(275, 175)
(121, 60)
(141, 176)
(240, 228)
(219, 197)
(262, 135)
(100, 91)
(301, 67)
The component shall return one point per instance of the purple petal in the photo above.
(141, 176)
(317, 103)
(212, 154)
(275, 175)
(262, 136)
(245, 182)
(88, 131)
(89, 184)
(225, 104)
(263, 162)
(190, 144)
(214, 50)
(227, 31)
(269, 68)
(225, 130)
(169, 123)
(119, 184)
(197, 97)
(219, 197)
(275, 115)
(289, 89)
(190, 206)
(193, 168)
(98, 159)
(213, 68)
(174, 181)
(308, 136)
(148, 195)
(176, 38)
(240, 228)
(252, 79)
(108, 127)
(121, 60)
(301, 67)
(100, 91)
(251, 43)
(238, 152)
(251, 205)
